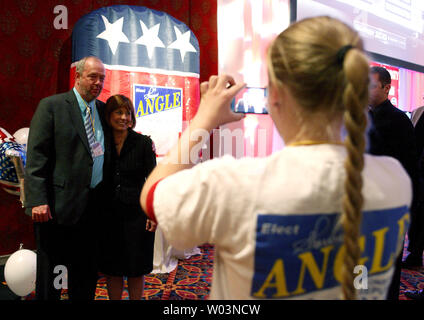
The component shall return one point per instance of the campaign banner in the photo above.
(301, 255)
(150, 57)
(159, 107)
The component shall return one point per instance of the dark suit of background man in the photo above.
(392, 134)
(62, 181)
(416, 230)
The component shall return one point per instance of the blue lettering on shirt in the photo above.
(299, 254)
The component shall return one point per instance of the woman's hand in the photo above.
(150, 225)
(216, 96)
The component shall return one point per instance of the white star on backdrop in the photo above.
(182, 43)
(150, 38)
(113, 33)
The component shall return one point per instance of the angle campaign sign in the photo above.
(149, 57)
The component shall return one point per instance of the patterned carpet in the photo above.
(193, 277)
(411, 279)
(190, 280)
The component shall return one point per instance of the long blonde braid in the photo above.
(354, 96)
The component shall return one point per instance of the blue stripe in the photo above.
(86, 30)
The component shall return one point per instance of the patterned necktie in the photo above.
(89, 128)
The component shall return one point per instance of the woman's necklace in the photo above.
(313, 142)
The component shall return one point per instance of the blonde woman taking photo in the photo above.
(317, 220)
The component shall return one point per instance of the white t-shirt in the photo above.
(274, 221)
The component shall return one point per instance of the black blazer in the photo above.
(59, 162)
(392, 134)
(124, 175)
(419, 135)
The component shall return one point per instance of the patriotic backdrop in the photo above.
(8, 179)
(35, 60)
(151, 58)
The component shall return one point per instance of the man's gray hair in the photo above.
(81, 63)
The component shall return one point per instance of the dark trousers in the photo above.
(416, 231)
(73, 247)
(393, 293)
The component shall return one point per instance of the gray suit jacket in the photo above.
(59, 162)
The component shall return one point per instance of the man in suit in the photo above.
(64, 171)
(392, 134)
(416, 230)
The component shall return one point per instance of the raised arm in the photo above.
(214, 110)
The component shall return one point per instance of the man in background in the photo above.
(416, 230)
(392, 134)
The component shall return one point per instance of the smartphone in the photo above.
(251, 100)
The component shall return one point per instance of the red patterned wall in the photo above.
(35, 60)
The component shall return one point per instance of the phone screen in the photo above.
(251, 100)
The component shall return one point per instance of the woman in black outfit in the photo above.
(127, 246)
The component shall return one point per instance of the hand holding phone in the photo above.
(216, 95)
(251, 100)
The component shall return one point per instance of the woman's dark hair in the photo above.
(118, 101)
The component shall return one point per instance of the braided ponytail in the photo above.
(322, 57)
(355, 95)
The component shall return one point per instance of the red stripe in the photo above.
(117, 82)
(149, 202)
(11, 185)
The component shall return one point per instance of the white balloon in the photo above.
(21, 136)
(20, 272)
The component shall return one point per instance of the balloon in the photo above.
(5, 136)
(21, 136)
(20, 272)
(8, 176)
